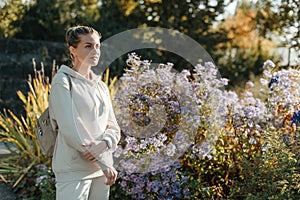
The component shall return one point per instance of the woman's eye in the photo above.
(88, 46)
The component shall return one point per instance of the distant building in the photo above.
(288, 56)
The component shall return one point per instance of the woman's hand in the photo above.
(111, 175)
(94, 150)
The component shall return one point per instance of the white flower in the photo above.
(268, 63)
(252, 141)
(250, 84)
(170, 150)
(267, 74)
(264, 81)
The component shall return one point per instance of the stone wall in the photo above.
(16, 63)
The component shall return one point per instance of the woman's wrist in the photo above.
(108, 142)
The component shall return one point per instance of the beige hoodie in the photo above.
(83, 115)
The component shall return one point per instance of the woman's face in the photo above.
(87, 52)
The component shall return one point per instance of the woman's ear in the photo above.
(72, 50)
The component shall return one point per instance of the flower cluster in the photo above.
(165, 183)
(208, 87)
(45, 181)
(44, 174)
(161, 113)
(158, 113)
(249, 116)
(283, 94)
(283, 101)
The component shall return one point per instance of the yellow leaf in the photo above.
(15, 118)
(106, 76)
(183, 18)
(3, 125)
(31, 89)
(129, 6)
(155, 1)
(21, 96)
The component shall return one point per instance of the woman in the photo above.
(88, 132)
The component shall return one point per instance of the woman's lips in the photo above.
(95, 58)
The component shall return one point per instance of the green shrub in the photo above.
(274, 174)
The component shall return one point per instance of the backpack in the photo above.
(45, 134)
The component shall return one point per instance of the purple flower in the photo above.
(118, 151)
(296, 118)
(40, 179)
(155, 187)
(123, 184)
(186, 192)
(163, 191)
(149, 186)
(141, 196)
(174, 189)
(41, 167)
(176, 164)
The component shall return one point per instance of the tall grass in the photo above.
(17, 132)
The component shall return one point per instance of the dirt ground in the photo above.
(6, 192)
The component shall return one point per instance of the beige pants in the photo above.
(90, 189)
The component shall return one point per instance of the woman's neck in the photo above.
(84, 71)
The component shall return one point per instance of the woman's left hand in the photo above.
(111, 175)
(88, 156)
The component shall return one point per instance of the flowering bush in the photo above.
(232, 133)
(273, 173)
(165, 183)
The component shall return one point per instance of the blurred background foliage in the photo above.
(239, 38)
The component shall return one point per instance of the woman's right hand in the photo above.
(94, 150)
(111, 175)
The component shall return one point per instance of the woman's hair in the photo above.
(73, 35)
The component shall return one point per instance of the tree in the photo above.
(48, 19)
(280, 18)
(194, 18)
(11, 11)
(246, 50)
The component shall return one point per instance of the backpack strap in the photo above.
(70, 82)
(70, 86)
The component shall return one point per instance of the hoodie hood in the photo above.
(74, 74)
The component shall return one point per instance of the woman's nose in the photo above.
(97, 49)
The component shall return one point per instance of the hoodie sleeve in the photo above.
(61, 104)
(112, 133)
